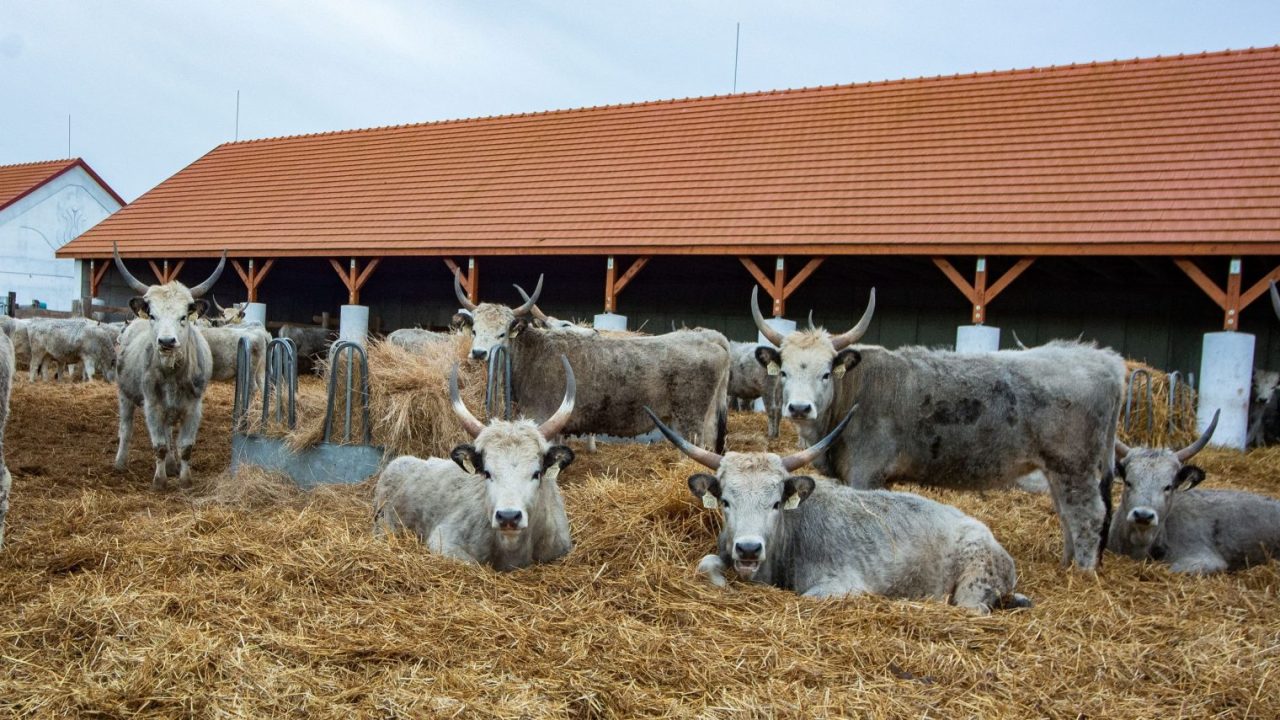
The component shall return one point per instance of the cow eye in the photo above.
(724, 503)
(777, 505)
(826, 376)
(487, 476)
(782, 373)
(1128, 484)
(537, 474)
(502, 334)
(1168, 488)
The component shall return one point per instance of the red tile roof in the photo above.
(1170, 155)
(18, 181)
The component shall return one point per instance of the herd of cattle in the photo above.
(867, 416)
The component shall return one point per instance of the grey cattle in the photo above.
(224, 347)
(164, 366)
(748, 380)
(17, 331)
(7, 369)
(1193, 531)
(966, 421)
(683, 375)
(548, 322)
(1264, 409)
(311, 342)
(417, 340)
(61, 343)
(495, 502)
(822, 539)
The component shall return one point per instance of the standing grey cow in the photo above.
(822, 539)
(224, 349)
(61, 343)
(164, 366)
(748, 380)
(965, 421)
(683, 375)
(18, 332)
(7, 369)
(310, 341)
(1193, 531)
(495, 502)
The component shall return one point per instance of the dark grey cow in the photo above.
(822, 539)
(311, 342)
(683, 375)
(165, 366)
(749, 381)
(968, 421)
(495, 502)
(7, 369)
(1192, 530)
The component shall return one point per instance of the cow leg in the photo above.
(986, 573)
(6, 482)
(37, 359)
(1208, 562)
(159, 431)
(127, 409)
(187, 441)
(712, 568)
(1082, 514)
(443, 542)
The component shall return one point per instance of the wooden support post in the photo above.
(163, 272)
(779, 289)
(1232, 300)
(353, 278)
(253, 277)
(470, 279)
(979, 294)
(95, 277)
(613, 285)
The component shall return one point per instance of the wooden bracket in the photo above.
(613, 285)
(95, 276)
(779, 289)
(163, 273)
(979, 294)
(1232, 300)
(353, 277)
(470, 278)
(253, 277)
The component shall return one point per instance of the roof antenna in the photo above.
(237, 115)
(737, 35)
(68, 134)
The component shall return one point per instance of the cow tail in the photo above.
(722, 427)
(1104, 486)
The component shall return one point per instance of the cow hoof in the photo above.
(158, 484)
(1014, 601)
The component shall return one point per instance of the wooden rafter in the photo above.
(95, 276)
(164, 274)
(252, 276)
(979, 294)
(470, 279)
(1232, 301)
(353, 278)
(613, 284)
(779, 288)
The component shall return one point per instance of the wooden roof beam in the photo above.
(779, 289)
(979, 294)
(1232, 300)
(353, 278)
(95, 277)
(470, 279)
(613, 285)
(253, 277)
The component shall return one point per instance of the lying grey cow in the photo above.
(495, 502)
(822, 539)
(1194, 531)
(164, 366)
(417, 340)
(6, 384)
(59, 344)
(964, 421)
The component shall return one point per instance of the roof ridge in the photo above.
(759, 93)
(33, 163)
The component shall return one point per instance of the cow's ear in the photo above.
(1120, 469)
(794, 491)
(845, 361)
(1190, 476)
(140, 307)
(468, 458)
(461, 320)
(197, 309)
(769, 358)
(516, 326)
(707, 488)
(558, 457)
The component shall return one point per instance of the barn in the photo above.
(43, 206)
(1133, 202)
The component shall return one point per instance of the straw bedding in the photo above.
(240, 602)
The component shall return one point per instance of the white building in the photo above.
(44, 206)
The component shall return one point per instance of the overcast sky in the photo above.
(151, 85)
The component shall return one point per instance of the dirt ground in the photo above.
(120, 601)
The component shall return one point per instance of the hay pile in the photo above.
(1171, 424)
(120, 601)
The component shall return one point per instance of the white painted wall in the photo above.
(33, 228)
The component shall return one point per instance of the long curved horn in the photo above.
(1275, 298)
(463, 300)
(537, 311)
(809, 454)
(811, 325)
(128, 276)
(529, 301)
(769, 333)
(841, 342)
(1189, 451)
(204, 287)
(704, 457)
(1122, 450)
(469, 421)
(552, 426)
(216, 306)
(1018, 341)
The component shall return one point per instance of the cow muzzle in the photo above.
(800, 411)
(167, 344)
(748, 553)
(479, 354)
(1144, 518)
(510, 521)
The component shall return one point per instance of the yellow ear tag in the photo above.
(709, 501)
(144, 315)
(551, 473)
(773, 368)
(838, 371)
(468, 466)
(792, 502)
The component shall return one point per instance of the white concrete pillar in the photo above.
(977, 338)
(353, 323)
(610, 321)
(256, 312)
(1226, 373)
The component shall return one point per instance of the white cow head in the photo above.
(515, 458)
(753, 491)
(1152, 478)
(233, 315)
(492, 325)
(170, 309)
(809, 362)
